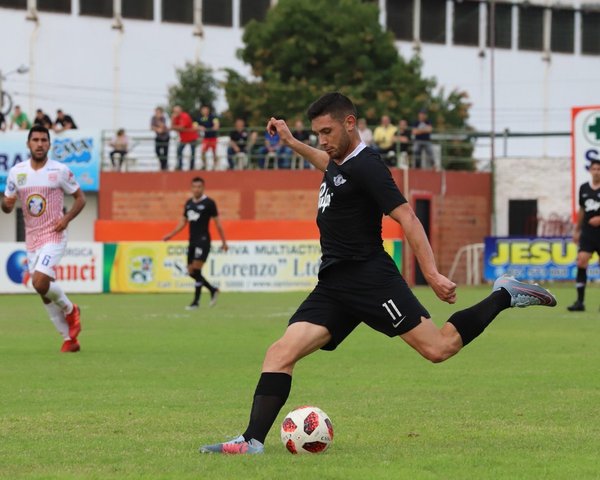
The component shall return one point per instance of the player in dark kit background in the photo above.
(587, 231)
(198, 211)
(358, 281)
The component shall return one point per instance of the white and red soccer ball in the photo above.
(306, 430)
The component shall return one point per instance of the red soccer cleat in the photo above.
(73, 322)
(70, 346)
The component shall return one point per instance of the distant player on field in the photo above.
(587, 231)
(40, 185)
(358, 281)
(198, 211)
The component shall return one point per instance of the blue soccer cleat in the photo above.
(237, 446)
(524, 294)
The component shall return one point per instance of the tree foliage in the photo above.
(305, 48)
(195, 86)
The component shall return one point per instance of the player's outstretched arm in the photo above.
(8, 203)
(317, 157)
(417, 239)
(77, 207)
(180, 226)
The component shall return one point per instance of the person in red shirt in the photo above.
(182, 123)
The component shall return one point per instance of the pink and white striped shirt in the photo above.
(41, 193)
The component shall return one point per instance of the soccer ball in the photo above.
(306, 430)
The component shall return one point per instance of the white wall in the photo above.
(107, 79)
(546, 179)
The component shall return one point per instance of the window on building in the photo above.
(531, 28)
(563, 31)
(503, 27)
(61, 6)
(217, 12)
(253, 10)
(400, 19)
(433, 21)
(590, 33)
(466, 23)
(96, 8)
(181, 11)
(138, 9)
(522, 217)
(14, 4)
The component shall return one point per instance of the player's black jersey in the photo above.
(198, 214)
(352, 200)
(589, 201)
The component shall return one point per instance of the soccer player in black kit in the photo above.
(587, 231)
(358, 281)
(198, 211)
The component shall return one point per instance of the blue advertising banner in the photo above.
(78, 149)
(534, 258)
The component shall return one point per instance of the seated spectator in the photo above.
(422, 134)
(403, 140)
(42, 119)
(63, 122)
(274, 150)
(120, 147)
(2, 122)
(19, 119)
(383, 139)
(366, 134)
(182, 123)
(300, 133)
(240, 143)
(158, 124)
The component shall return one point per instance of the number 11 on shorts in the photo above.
(393, 312)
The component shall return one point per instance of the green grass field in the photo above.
(153, 382)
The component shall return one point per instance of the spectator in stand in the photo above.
(19, 119)
(182, 123)
(240, 142)
(158, 124)
(366, 134)
(208, 124)
(422, 141)
(120, 147)
(63, 122)
(383, 138)
(275, 150)
(2, 122)
(403, 138)
(42, 119)
(300, 133)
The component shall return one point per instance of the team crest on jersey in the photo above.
(36, 205)
(21, 179)
(324, 197)
(11, 187)
(52, 177)
(338, 180)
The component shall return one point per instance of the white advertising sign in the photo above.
(79, 271)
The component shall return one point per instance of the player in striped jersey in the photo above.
(40, 185)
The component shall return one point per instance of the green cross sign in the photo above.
(595, 128)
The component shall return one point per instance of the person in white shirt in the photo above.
(40, 185)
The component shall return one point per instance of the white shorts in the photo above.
(45, 258)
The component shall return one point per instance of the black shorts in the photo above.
(198, 251)
(589, 242)
(351, 292)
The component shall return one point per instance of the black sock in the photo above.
(471, 322)
(198, 285)
(580, 282)
(205, 283)
(271, 394)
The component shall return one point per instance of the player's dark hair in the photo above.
(335, 104)
(38, 128)
(198, 179)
